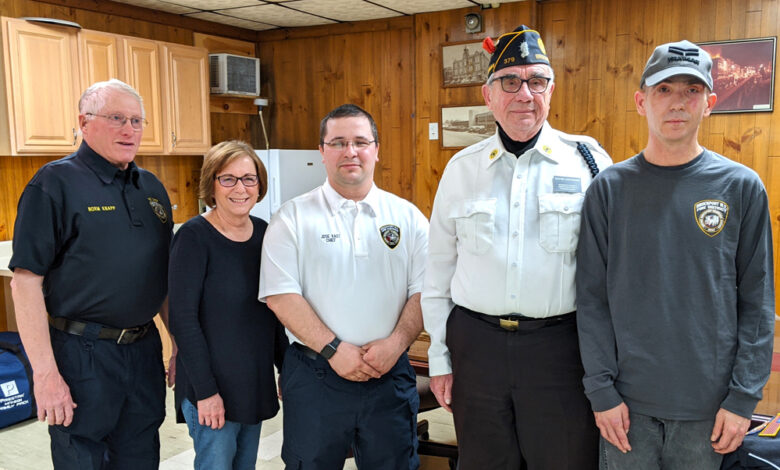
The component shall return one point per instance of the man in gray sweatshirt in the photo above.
(675, 296)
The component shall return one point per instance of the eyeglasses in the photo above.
(228, 181)
(513, 83)
(119, 120)
(340, 144)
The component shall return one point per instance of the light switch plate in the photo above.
(433, 131)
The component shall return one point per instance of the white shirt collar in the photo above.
(337, 202)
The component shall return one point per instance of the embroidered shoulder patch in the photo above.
(391, 235)
(158, 209)
(711, 216)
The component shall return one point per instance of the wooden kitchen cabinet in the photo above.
(142, 72)
(42, 89)
(99, 57)
(186, 77)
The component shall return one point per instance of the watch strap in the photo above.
(330, 349)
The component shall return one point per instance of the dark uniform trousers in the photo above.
(517, 399)
(120, 393)
(326, 415)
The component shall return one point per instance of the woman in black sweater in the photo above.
(227, 340)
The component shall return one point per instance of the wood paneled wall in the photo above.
(311, 71)
(178, 173)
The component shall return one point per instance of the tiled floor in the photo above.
(25, 446)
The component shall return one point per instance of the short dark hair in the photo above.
(347, 110)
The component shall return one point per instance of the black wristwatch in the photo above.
(330, 349)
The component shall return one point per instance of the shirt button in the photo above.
(516, 204)
(565, 209)
(514, 265)
(512, 296)
(515, 234)
(519, 177)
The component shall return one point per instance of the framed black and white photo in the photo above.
(743, 74)
(464, 64)
(462, 126)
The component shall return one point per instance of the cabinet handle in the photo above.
(173, 139)
(75, 136)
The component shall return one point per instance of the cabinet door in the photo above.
(142, 72)
(42, 88)
(187, 99)
(98, 57)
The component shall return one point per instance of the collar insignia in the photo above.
(493, 154)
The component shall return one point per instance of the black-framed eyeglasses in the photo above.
(341, 144)
(119, 120)
(513, 83)
(228, 181)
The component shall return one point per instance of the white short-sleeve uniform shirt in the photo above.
(355, 263)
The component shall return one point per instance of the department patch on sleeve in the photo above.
(391, 235)
(158, 209)
(711, 216)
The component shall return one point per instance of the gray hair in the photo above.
(93, 99)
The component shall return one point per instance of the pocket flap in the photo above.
(559, 202)
(473, 206)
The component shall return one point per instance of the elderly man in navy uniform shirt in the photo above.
(90, 259)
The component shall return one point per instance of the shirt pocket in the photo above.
(474, 224)
(559, 221)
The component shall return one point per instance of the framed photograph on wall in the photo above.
(463, 64)
(462, 126)
(743, 74)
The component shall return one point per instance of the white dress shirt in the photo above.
(355, 263)
(504, 233)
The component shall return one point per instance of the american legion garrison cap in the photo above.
(523, 46)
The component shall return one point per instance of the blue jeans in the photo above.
(664, 444)
(234, 447)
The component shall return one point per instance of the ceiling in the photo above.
(262, 15)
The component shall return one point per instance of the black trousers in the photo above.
(120, 393)
(518, 399)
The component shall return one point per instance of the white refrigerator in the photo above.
(290, 173)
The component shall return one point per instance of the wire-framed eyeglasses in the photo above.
(341, 144)
(119, 120)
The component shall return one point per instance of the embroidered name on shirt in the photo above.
(101, 208)
(330, 237)
(711, 216)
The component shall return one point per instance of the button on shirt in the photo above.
(99, 236)
(504, 233)
(355, 263)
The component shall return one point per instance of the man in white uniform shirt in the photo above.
(499, 295)
(342, 268)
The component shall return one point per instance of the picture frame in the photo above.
(743, 74)
(463, 63)
(462, 126)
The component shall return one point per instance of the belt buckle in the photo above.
(122, 335)
(508, 324)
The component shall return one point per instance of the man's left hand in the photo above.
(382, 354)
(728, 432)
(172, 367)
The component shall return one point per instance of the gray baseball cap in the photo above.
(677, 58)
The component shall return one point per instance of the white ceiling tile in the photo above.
(276, 15)
(344, 10)
(216, 4)
(231, 20)
(160, 5)
(416, 6)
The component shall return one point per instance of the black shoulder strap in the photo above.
(589, 160)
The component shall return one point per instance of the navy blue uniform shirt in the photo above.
(99, 236)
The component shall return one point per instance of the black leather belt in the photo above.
(518, 322)
(307, 351)
(120, 335)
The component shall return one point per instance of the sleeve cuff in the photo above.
(739, 404)
(439, 365)
(205, 390)
(604, 399)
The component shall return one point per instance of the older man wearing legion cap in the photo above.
(675, 297)
(499, 297)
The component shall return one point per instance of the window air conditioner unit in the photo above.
(234, 74)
